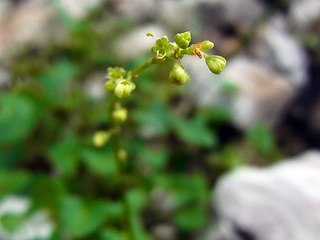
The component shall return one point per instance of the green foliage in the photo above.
(18, 117)
(261, 138)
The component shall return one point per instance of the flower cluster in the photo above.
(121, 83)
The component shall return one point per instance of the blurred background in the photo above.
(264, 108)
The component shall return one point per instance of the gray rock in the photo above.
(37, 226)
(261, 95)
(279, 49)
(303, 13)
(276, 203)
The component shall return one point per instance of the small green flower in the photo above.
(178, 75)
(120, 115)
(206, 45)
(122, 155)
(124, 88)
(163, 48)
(215, 63)
(116, 73)
(183, 39)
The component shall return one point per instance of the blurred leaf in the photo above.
(194, 131)
(228, 87)
(11, 222)
(191, 218)
(226, 159)
(81, 218)
(136, 199)
(114, 211)
(56, 81)
(220, 114)
(65, 155)
(100, 162)
(47, 193)
(155, 118)
(13, 181)
(261, 138)
(18, 117)
(112, 234)
(153, 158)
(10, 155)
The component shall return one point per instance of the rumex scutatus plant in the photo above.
(122, 83)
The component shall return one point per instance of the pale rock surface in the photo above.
(304, 12)
(261, 92)
(136, 43)
(79, 9)
(276, 203)
(27, 23)
(278, 48)
(37, 226)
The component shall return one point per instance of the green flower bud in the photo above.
(183, 39)
(100, 138)
(215, 63)
(124, 88)
(116, 73)
(122, 155)
(206, 45)
(120, 115)
(178, 75)
(110, 85)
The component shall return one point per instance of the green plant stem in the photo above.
(121, 168)
(143, 66)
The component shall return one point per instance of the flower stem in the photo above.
(123, 187)
(143, 66)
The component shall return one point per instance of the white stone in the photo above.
(276, 203)
(278, 48)
(79, 8)
(304, 12)
(15, 205)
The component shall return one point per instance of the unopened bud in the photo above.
(110, 85)
(178, 75)
(206, 45)
(124, 88)
(183, 39)
(215, 63)
(100, 138)
(122, 155)
(120, 115)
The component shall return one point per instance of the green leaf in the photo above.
(100, 162)
(47, 193)
(18, 117)
(112, 234)
(191, 218)
(65, 155)
(13, 181)
(156, 159)
(81, 218)
(155, 118)
(10, 155)
(56, 80)
(194, 131)
(136, 199)
(262, 138)
(12, 222)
